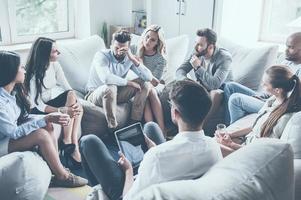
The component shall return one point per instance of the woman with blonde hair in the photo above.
(152, 52)
(284, 87)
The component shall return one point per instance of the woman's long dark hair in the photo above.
(9, 67)
(281, 77)
(37, 64)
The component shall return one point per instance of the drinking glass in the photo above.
(221, 129)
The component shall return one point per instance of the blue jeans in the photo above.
(100, 161)
(239, 101)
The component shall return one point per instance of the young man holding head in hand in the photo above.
(107, 84)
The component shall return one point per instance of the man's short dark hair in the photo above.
(191, 100)
(122, 36)
(209, 34)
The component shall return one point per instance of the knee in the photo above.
(89, 142)
(153, 92)
(151, 127)
(235, 99)
(43, 137)
(110, 91)
(229, 86)
(71, 96)
(147, 87)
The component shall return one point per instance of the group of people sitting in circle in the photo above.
(34, 96)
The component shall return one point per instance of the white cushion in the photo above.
(262, 170)
(246, 121)
(291, 134)
(23, 175)
(97, 194)
(176, 49)
(248, 64)
(76, 59)
(297, 173)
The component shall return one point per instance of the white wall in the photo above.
(240, 20)
(82, 19)
(117, 12)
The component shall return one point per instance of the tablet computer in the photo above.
(131, 143)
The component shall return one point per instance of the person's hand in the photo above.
(155, 81)
(73, 111)
(149, 142)
(224, 139)
(134, 85)
(77, 109)
(67, 110)
(123, 51)
(58, 118)
(124, 162)
(135, 59)
(195, 62)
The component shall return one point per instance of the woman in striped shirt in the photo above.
(152, 52)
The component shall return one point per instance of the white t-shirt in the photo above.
(188, 156)
(55, 83)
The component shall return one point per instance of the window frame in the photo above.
(265, 35)
(9, 31)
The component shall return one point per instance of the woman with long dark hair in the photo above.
(284, 87)
(49, 92)
(18, 132)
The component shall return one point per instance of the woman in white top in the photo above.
(49, 92)
(18, 132)
(285, 87)
(151, 51)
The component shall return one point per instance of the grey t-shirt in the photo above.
(156, 64)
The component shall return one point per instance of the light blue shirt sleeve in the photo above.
(101, 65)
(143, 72)
(10, 128)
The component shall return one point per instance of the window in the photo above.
(0, 36)
(25, 20)
(279, 19)
(259, 20)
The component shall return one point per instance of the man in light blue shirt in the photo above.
(107, 84)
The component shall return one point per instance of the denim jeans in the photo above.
(239, 102)
(100, 161)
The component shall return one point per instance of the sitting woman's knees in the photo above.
(43, 136)
(71, 96)
(147, 86)
(153, 93)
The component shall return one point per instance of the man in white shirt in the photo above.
(107, 84)
(188, 156)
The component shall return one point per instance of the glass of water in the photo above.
(221, 129)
